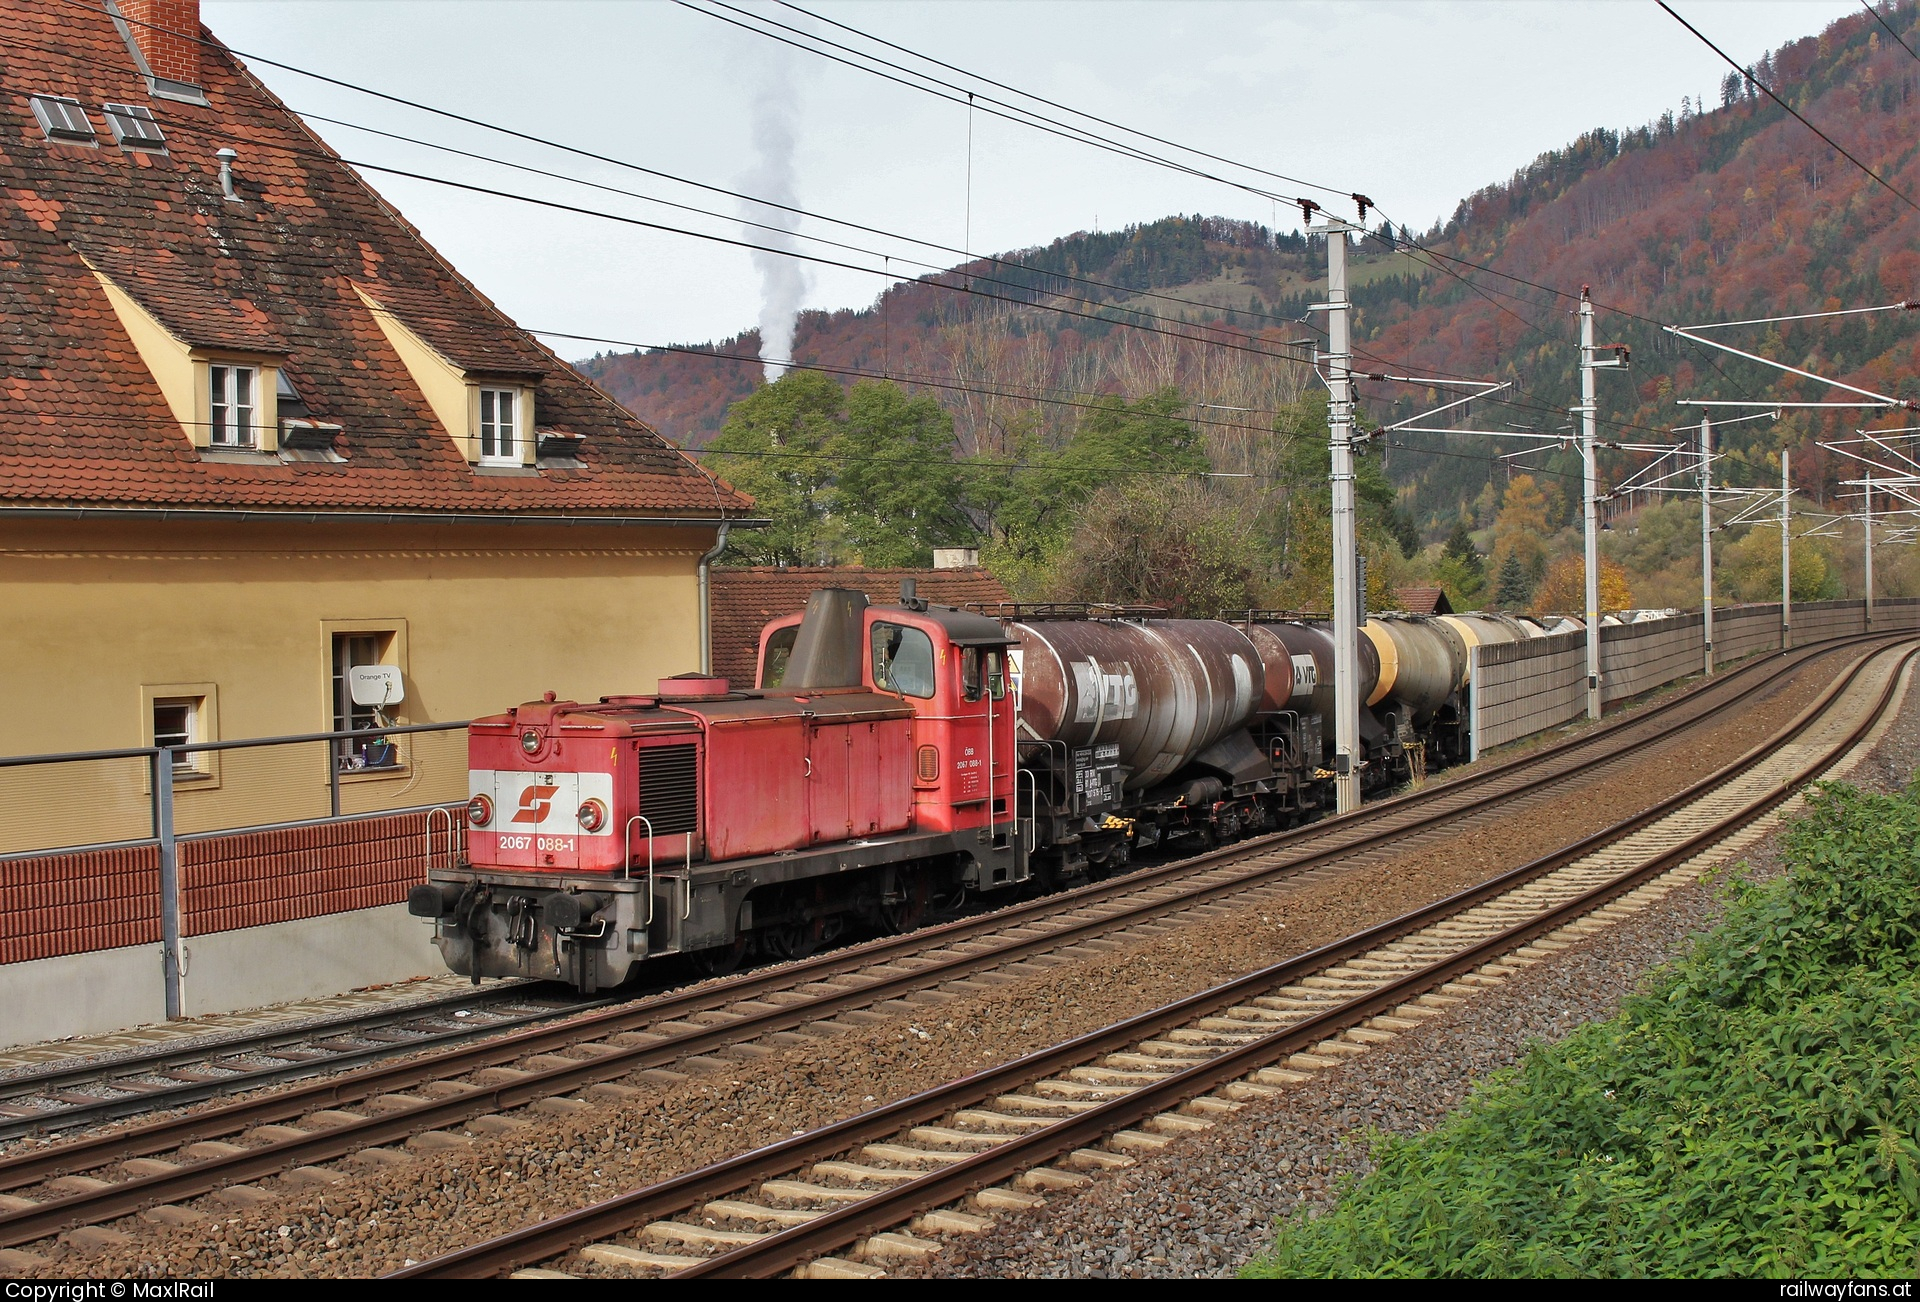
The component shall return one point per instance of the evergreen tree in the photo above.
(1460, 547)
(1514, 589)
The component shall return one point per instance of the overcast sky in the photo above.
(1414, 104)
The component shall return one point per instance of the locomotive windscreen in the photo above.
(670, 789)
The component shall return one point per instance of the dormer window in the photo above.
(231, 394)
(63, 119)
(499, 445)
(134, 127)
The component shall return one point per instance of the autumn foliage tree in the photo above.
(1564, 589)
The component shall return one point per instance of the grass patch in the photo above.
(1753, 1112)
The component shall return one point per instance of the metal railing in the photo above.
(171, 772)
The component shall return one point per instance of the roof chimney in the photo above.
(166, 34)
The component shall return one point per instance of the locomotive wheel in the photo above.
(795, 941)
(910, 910)
(721, 959)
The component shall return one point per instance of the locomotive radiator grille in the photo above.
(670, 789)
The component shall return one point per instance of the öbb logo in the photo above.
(534, 804)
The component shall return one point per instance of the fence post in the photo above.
(1475, 675)
(169, 877)
(333, 781)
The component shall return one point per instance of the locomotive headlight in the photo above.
(593, 816)
(479, 812)
(530, 741)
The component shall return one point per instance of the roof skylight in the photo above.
(134, 127)
(63, 118)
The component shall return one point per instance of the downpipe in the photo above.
(706, 596)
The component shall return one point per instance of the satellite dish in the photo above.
(375, 685)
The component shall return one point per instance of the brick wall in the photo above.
(103, 899)
(254, 878)
(72, 903)
(168, 32)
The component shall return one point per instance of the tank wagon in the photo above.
(893, 757)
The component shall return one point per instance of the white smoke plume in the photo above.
(783, 280)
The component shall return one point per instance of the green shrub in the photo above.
(1754, 1112)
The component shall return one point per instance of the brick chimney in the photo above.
(168, 33)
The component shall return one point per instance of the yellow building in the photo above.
(255, 435)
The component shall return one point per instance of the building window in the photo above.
(177, 721)
(351, 650)
(63, 119)
(134, 127)
(498, 446)
(230, 394)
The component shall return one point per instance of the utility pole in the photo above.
(1588, 421)
(1706, 532)
(1786, 561)
(1867, 519)
(1346, 600)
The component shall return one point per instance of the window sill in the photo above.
(240, 456)
(190, 782)
(388, 771)
(507, 472)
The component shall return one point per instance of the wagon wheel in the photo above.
(908, 909)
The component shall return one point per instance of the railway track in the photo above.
(945, 1160)
(355, 1114)
(163, 1078)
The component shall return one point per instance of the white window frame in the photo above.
(390, 641)
(498, 440)
(201, 768)
(233, 424)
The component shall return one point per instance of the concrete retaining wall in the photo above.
(1636, 658)
(1526, 687)
(1740, 632)
(111, 989)
(1520, 688)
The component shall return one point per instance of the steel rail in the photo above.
(110, 1074)
(788, 1248)
(131, 1195)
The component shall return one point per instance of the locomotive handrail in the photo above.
(453, 830)
(686, 907)
(626, 862)
(1033, 807)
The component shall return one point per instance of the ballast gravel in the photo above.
(380, 1214)
(1207, 1204)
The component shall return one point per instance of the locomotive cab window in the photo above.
(779, 651)
(902, 660)
(982, 668)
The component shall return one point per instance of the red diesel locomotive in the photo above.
(702, 820)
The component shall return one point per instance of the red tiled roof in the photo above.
(743, 600)
(82, 422)
(1424, 601)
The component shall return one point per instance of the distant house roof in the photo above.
(286, 268)
(745, 599)
(1424, 601)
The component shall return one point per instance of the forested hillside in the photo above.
(1724, 209)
